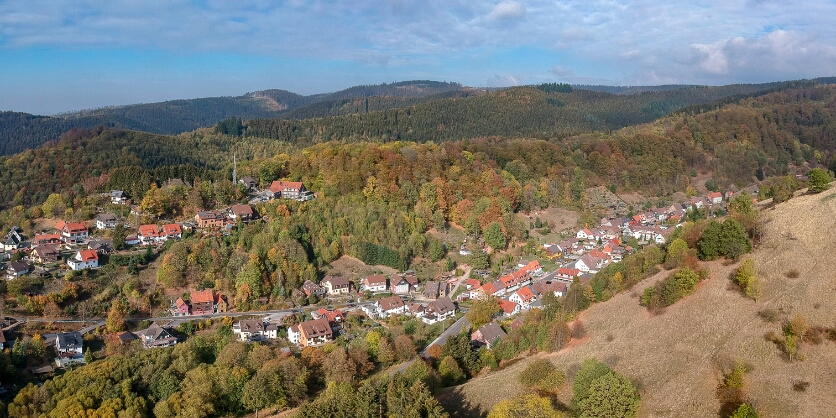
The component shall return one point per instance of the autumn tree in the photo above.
(495, 237)
(483, 311)
(746, 279)
(525, 406)
(819, 180)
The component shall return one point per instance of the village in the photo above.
(576, 258)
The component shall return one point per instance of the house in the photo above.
(589, 264)
(2, 340)
(210, 219)
(715, 198)
(557, 287)
(393, 305)
(243, 213)
(287, 189)
(45, 254)
(203, 302)
(522, 276)
(72, 232)
(375, 283)
(156, 336)
(84, 259)
(220, 305)
(336, 285)
(509, 308)
(311, 288)
(150, 234)
(248, 182)
(14, 239)
(439, 310)
(488, 335)
(335, 317)
(311, 333)
(255, 330)
(523, 297)
(567, 274)
(126, 337)
(472, 284)
(101, 246)
(105, 221)
(118, 197)
(172, 231)
(16, 269)
(180, 308)
(487, 290)
(585, 233)
(435, 290)
(415, 310)
(69, 349)
(46, 239)
(399, 285)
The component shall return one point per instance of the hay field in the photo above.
(676, 358)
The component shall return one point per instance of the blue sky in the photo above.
(62, 55)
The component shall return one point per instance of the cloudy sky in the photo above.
(61, 55)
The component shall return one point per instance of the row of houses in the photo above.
(201, 302)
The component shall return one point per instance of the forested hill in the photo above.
(754, 138)
(537, 112)
(20, 131)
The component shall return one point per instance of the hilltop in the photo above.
(677, 358)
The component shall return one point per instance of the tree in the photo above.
(590, 370)
(677, 251)
(116, 316)
(733, 239)
(819, 180)
(483, 311)
(610, 395)
(494, 236)
(709, 243)
(404, 347)
(54, 205)
(745, 278)
(525, 406)
(88, 356)
(450, 371)
(541, 374)
(479, 260)
(36, 347)
(745, 411)
(119, 235)
(338, 367)
(435, 250)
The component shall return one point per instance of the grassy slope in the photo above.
(676, 358)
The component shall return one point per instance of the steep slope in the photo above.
(676, 358)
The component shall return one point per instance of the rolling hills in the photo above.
(677, 358)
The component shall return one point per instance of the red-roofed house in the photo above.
(84, 259)
(715, 198)
(335, 317)
(172, 231)
(242, 212)
(585, 234)
(150, 234)
(210, 219)
(202, 302)
(554, 286)
(524, 297)
(46, 239)
(567, 274)
(393, 305)
(180, 307)
(472, 284)
(375, 283)
(399, 285)
(509, 308)
(287, 189)
(72, 232)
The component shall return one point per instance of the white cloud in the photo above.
(504, 81)
(507, 10)
(562, 72)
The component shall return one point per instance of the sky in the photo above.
(63, 55)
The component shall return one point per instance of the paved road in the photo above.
(463, 278)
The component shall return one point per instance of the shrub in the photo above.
(769, 315)
(541, 375)
(792, 274)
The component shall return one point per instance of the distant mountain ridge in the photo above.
(20, 131)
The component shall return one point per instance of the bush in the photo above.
(541, 375)
(600, 392)
(792, 274)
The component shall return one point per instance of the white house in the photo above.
(255, 330)
(375, 283)
(523, 297)
(439, 310)
(84, 259)
(105, 221)
(400, 286)
(393, 305)
(69, 347)
(117, 197)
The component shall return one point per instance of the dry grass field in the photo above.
(677, 358)
(355, 269)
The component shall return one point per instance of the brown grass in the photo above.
(677, 358)
(354, 269)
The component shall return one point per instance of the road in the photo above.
(463, 278)
(274, 315)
